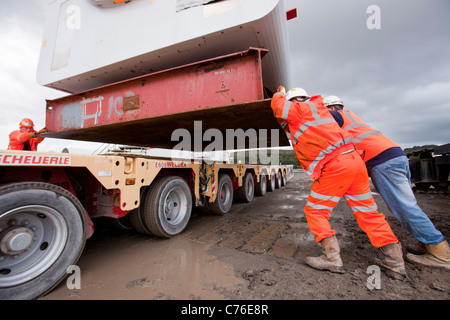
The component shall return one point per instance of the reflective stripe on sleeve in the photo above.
(310, 124)
(328, 150)
(286, 107)
(363, 136)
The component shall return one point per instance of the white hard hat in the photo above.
(297, 93)
(332, 101)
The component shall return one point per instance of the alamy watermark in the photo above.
(73, 17)
(374, 280)
(374, 20)
(254, 143)
(74, 280)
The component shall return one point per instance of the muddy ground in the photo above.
(255, 252)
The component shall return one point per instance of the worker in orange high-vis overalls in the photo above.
(327, 154)
(388, 168)
(26, 137)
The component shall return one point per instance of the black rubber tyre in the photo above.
(166, 207)
(271, 184)
(247, 190)
(278, 181)
(43, 232)
(283, 179)
(261, 186)
(137, 221)
(224, 199)
(135, 217)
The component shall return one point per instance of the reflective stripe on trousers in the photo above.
(346, 176)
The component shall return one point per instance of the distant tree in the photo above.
(414, 152)
(285, 157)
(418, 148)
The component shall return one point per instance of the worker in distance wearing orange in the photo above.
(327, 154)
(388, 168)
(26, 137)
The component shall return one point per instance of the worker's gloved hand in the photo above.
(43, 130)
(281, 89)
(31, 135)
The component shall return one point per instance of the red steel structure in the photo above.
(223, 93)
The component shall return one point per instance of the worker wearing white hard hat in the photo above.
(389, 170)
(333, 103)
(328, 156)
(298, 94)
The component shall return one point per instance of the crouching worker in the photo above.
(327, 154)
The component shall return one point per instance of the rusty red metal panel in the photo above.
(208, 84)
(221, 92)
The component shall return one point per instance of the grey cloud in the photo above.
(395, 78)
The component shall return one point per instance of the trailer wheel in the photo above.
(137, 221)
(278, 181)
(271, 184)
(261, 186)
(224, 198)
(42, 233)
(283, 179)
(247, 190)
(166, 207)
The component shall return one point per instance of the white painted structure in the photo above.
(90, 43)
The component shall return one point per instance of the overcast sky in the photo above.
(397, 78)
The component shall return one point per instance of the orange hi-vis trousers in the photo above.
(346, 176)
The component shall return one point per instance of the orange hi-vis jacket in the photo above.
(372, 142)
(315, 135)
(17, 141)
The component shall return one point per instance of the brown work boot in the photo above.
(393, 262)
(330, 259)
(436, 256)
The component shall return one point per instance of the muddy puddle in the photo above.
(133, 267)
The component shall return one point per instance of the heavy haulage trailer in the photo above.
(206, 67)
(48, 202)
